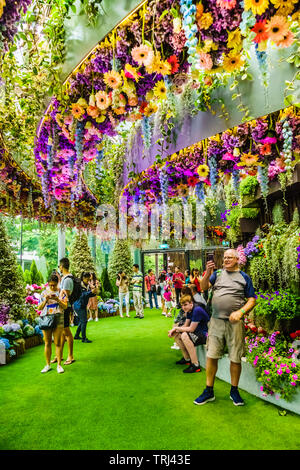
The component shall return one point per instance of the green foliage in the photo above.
(35, 278)
(105, 284)
(278, 214)
(120, 260)
(248, 186)
(12, 290)
(27, 277)
(276, 264)
(80, 255)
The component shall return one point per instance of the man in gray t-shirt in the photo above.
(232, 297)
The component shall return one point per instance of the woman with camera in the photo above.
(53, 302)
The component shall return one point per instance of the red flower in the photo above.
(265, 149)
(293, 335)
(260, 30)
(173, 61)
(143, 106)
(193, 180)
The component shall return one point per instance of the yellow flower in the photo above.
(258, 7)
(77, 110)
(2, 5)
(112, 79)
(149, 95)
(235, 40)
(163, 67)
(285, 7)
(160, 90)
(233, 62)
(247, 159)
(159, 66)
(205, 21)
(203, 171)
(150, 109)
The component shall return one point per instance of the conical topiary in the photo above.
(12, 290)
(120, 260)
(80, 255)
(35, 277)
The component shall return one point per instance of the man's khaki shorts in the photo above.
(221, 332)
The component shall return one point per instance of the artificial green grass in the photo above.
(125, 392)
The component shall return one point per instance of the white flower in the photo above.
(176, 25)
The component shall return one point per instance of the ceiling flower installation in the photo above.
(153, 55)
(19, 195)
(267, 148)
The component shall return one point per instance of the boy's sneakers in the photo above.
(235, 397)
(86, 340)
(193, 368)
(175, 346)
(46, 369)
(206, 396)
(183, 362)
(60, 370)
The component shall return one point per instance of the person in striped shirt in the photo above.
(137, 291)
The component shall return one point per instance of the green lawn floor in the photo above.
(125, 392)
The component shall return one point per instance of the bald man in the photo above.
(233, 297)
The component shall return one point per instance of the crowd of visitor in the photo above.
(211, 307)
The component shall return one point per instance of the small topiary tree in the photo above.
(12, 289)
(106, 284)
(120, 260)
(80, 255)
(27, 277)
(35, 274)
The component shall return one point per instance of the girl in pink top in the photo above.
(168, 298)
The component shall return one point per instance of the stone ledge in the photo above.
(248, 381)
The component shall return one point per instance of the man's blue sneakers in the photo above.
(206, 396)
(236, 398)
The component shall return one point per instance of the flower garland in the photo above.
(188, 10)
(250, 149)
(169, 48)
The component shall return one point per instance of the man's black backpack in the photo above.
(76, 289)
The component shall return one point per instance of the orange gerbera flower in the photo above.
(102, 99)
(277, 27)
(287, 40)
(112, 79)
(247, 159)
(150, 109)
(92, 111)
(261, 32)
(77, 110)
(232, 63)
(143, 55)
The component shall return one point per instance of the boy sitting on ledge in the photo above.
(192, 334)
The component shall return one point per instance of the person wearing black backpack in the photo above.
(80, 306)
(69, 285)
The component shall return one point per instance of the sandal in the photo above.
(68, 362)
(55, 360)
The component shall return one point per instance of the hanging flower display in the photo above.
(168, 48)
(247, 149)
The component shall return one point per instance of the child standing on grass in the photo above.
(168, 297)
